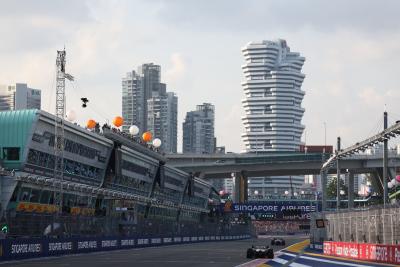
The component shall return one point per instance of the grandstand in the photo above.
(113, 184)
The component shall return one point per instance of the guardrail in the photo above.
(16, 249)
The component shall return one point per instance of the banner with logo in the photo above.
(15, 249)
(276, 209)
(364, 251)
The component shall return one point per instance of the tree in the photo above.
(331, 188)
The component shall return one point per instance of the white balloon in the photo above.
(71, 115)
(133, 130)
(157, 142)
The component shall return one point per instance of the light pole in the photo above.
(325, 133)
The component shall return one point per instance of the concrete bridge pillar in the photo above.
(323, 186)
(350, 192)
(241, 187)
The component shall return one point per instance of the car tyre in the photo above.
(270, 254)
(250, 253)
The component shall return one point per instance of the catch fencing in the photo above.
(374, 224)
(41, 225)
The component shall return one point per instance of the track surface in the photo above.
(226, 253)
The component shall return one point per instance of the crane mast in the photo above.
(59, 129)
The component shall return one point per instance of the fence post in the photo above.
(391, 228)
(376, 228)
(369, 226)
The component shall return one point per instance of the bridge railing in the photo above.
(319, 157)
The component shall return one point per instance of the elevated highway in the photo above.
(274, 164)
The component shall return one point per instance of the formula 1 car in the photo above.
(260, 252)
(277, 242)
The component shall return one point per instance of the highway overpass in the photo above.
(274, 164)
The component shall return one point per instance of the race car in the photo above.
(277, 242)
(260, 252)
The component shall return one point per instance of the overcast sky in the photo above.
(352, 51)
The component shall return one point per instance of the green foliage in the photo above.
(331, 188)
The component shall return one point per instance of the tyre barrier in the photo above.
(15, 249)
(364, 251)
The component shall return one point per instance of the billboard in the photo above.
(275, 209)
(363, 251)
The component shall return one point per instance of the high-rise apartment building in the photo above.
(147, 104)
(272, 107)
(133, 101)
(19, 96)
(162, 119)
(198, 130)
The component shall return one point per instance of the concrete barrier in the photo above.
(15, 249)
(364, 251)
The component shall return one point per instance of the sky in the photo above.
(352, 51)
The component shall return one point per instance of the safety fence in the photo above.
(14, 249)
(377, 224)
(364, 251)
(33, 225)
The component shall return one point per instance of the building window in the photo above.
(11, 153)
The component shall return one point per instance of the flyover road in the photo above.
(227, 253)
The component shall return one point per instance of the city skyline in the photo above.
(351, 63)
(147, 105)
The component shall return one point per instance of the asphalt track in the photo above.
(221, 254)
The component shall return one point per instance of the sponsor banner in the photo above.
(155, 241)
(109, 244)
(167, 240)
(55, 247)
(87, 245)
(317, 246)
(12, 249)
(277, 209)
(143, 242)
(125, 243)
(36, 207)
(363, 251)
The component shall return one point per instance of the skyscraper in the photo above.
(198, 130)
(133, 101)
(147, 104)
(272, 107)
(162, 119)
(19, 96)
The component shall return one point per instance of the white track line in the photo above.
(342, 263)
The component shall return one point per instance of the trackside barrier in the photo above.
(317, 247)
(15, 249)
(364, 251)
